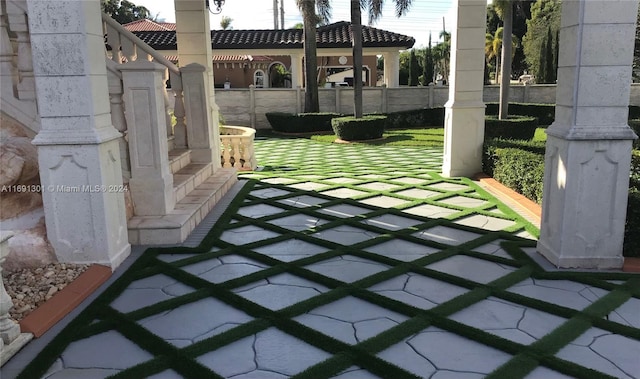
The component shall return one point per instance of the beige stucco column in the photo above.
(193, 36)
(296, 71)
(589, 145)
(464, 112)
(392, 69)
(78, 150)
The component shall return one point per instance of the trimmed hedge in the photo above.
(302, 122)
(416, 118)
(359, 129)
(514, 127)
(520, 170)
(631, 246)
(491, 145)
(544, 112)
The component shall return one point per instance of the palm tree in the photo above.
(310, 19)
(225, 22)
(504, 8)
(374, 8)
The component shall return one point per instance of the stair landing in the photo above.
(189, 211)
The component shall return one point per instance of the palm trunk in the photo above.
(356, 32)
(311, 102)
(505, 79)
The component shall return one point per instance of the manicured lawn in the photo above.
(432, 137)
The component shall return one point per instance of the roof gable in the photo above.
(334, 35)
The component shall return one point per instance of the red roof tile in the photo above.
(147, 25)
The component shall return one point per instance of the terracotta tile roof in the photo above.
(149, 26)
(329, 36)
(229, 58)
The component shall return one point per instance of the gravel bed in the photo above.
(29, 288)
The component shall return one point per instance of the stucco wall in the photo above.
(235, 104)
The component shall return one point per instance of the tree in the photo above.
(374, 8)
(414, 69)
(310, 19)
(427, 65)
(550, 69)
(493, 47)
(225, 23)
(124, 11)
(544, 14)
(505, 11)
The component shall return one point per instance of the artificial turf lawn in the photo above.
(304, 161)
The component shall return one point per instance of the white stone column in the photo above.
(78, 150)
(589, 144)
(151, 181)
(297, 80)
(9, 329)
(194, 46)
(199, 122)
(392, 69)
(464, 113)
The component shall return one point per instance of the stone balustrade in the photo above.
(237, 147)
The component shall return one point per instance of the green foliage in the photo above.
(359, 129)
(414, 69)
(545, 14)
(513, 127)
(520, 170)
(124, 11)
(550, 69)
(416, 118)
(635, 125)
(427, 65)
(300, 123)
(416, 137)
(544, 112)
(631, 247)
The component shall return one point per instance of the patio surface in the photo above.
(354, 261)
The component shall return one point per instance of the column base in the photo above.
(8, 351)
(584, 205)
(564, 261)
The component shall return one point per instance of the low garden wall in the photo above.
(247, 106)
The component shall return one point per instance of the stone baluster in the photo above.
(226, 151)
(151, 181)
(114, 79)
(113, 39)
(129, 49)
(167, 103)
(180, 128)
(19, 24)
(236, 152)
(9, 329)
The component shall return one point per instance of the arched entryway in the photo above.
(279, 77)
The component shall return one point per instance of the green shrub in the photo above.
(544, 112)
(635, 125)
(490, 145)
(520, 170)
(634, 180)
(634, 112)
(301, 122)
(359, 129)
(416, 118)
(514, 127)
(631, 247)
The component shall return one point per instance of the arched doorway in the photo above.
(279, 77)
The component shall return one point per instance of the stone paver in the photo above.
(347, 268)
(342, 289)
(391, 222)
(434, 349)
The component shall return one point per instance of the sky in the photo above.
(424, 16)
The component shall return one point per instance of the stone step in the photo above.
(176, 226)
(189, 177)
(179, 159)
